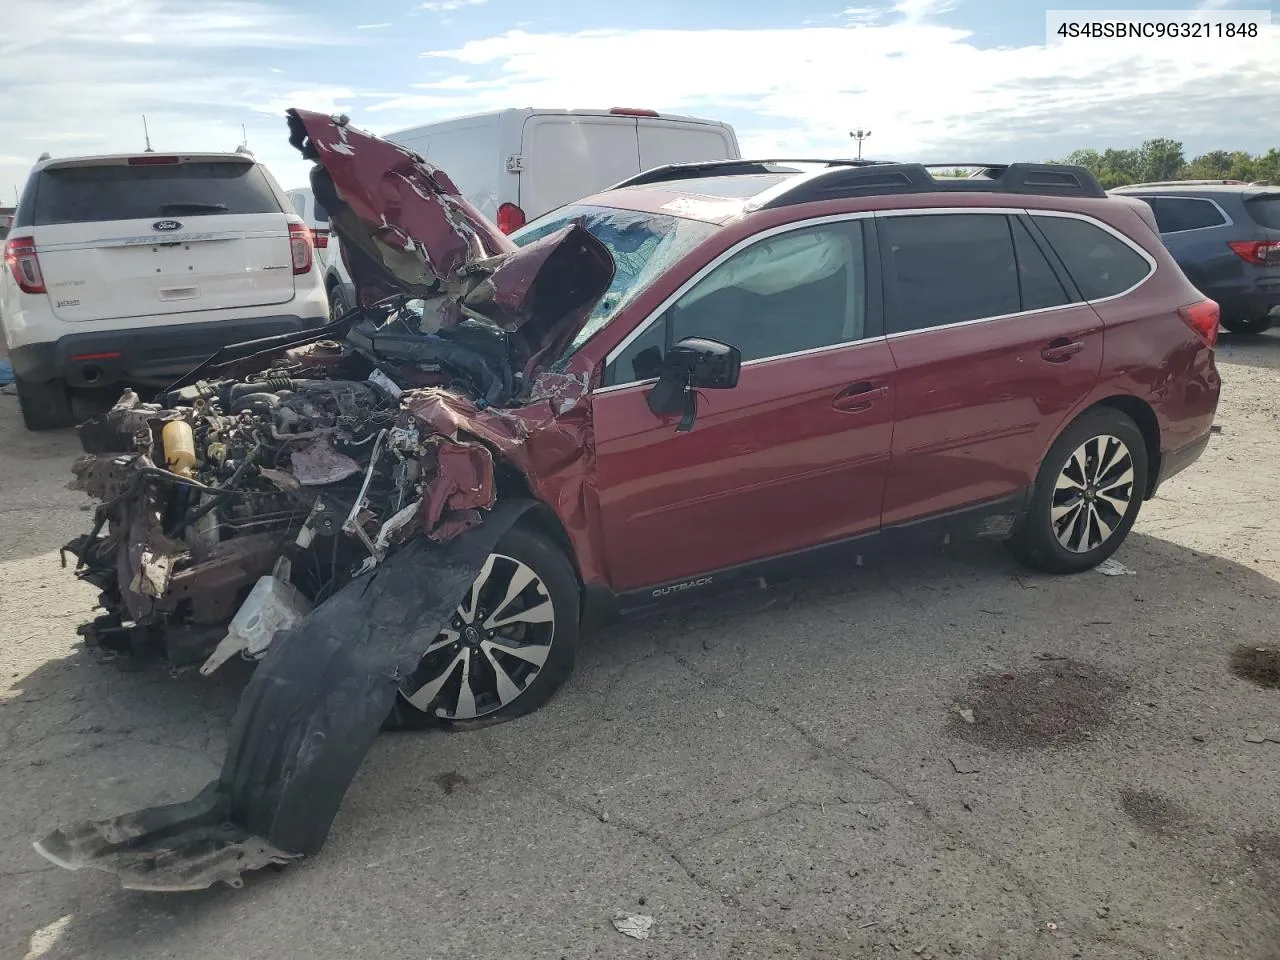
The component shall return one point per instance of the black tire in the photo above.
(550, 566)
(45, 406)
(1037, 541)
(338, 305)
(1255, 326)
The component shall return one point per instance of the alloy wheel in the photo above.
(1092, 494)
(493, 647)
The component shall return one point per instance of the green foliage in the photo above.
(1163, 159)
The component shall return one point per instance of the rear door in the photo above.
(1197, 230)
(991, 354)
(156, 236)
(568, 157)
(794, 456)
(680, 141)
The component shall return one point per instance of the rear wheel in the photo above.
(338, 306)
(1087, 495)
(1257, 325)
(509, 646)
(45, 406)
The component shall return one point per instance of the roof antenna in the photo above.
(146, 134)
(244, 142)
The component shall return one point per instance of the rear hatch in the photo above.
(154, 236)
(1264, 209)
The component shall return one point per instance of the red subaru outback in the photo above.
(709, 374)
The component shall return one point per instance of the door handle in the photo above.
(859, 396)
(1061, 350)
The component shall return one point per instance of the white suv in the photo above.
(130, 270)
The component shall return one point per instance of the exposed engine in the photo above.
(250, 501)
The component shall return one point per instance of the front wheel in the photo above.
(509, 646)
(1087, 495)
(1254, 326)
(338, 306)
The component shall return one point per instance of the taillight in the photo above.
(1202, 317)
(633, 112)
(320, 239)
(300, 247)
(20, 256)
(510, 218)
(152, 160)
(1261, 253)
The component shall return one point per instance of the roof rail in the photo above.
(1183, 183)
(1038, 179)
(726, 168)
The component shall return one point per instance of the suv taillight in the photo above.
(20, 257)
(1202, 317)
(300, 247)
(1261, 253)
(320, 239)
(510, 218)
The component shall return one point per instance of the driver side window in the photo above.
(796, 291)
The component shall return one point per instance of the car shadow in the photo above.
(82, 738)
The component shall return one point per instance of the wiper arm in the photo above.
(192, 207)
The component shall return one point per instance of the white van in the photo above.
(515, 165)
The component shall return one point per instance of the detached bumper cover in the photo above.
(302, 729)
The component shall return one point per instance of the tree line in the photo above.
(1163, 159)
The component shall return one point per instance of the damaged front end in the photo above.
(321, 502)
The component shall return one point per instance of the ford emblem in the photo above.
(166, 225)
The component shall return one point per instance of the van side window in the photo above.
(1101, 264)
(796, 291)
(948, 268)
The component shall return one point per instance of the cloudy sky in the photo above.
(932, 79)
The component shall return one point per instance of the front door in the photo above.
(794, 456)
(991, 354)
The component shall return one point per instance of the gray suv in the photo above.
(1226, 237)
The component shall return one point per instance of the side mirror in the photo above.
(693, 363)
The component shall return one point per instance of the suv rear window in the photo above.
(1265, 210)
(1174, 214)
(1101, 264)
(119, 192)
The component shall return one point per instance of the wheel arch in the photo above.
(1144, 416)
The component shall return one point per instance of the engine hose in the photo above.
(194, 515)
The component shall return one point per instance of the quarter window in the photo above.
(1174, 214)
(948, 268)
(797, 291)
(1100, 263)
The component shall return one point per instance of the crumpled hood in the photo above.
(405, 228)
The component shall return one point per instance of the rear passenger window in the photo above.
(798, 291)
(1265, 210)
(1038, 285)
(948, 268)
(1174, 214)
(83, 194)
(1101, 264)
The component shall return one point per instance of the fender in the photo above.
(303, 726)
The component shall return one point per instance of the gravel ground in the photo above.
(793, 774)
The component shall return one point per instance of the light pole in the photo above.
(860, 135)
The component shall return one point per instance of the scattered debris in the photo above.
(1103, 912)
(1216, 428)
(1051, 925)
(1049, 657)
(1258, 665)
(967, 716)
(1114, 568)
(633, 925)
(1254, 738)
(963, 766)
(720, 714)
